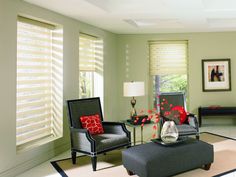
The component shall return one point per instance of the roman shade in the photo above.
(90, 53)
(168, 57)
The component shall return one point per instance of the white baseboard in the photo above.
(12, 172)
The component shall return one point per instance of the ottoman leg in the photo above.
(207, 166)
(130, 172)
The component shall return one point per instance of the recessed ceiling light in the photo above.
(153, 22)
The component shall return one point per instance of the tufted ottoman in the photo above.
(155, 160)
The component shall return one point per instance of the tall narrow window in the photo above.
(168, 66)
(90, 66)
(39, 82)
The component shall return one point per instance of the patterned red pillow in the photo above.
(177, 114)
(182, 113)
(92, 123)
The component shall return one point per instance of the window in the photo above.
(168, 66)
(39, 83)
(90, 67)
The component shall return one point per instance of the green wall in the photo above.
(11, 162)
(125, 59)
(133, 65)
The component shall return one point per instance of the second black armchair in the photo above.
(190, 126)
(115, 134)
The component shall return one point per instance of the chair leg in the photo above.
(94, 162)
(73, 155)
(197, 137)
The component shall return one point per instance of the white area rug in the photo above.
(111, 164)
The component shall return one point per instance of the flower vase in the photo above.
(169, 132)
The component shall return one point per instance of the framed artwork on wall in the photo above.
(216, 75)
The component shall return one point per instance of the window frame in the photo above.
(153, 102)
(95, 64)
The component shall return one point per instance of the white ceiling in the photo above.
(149, 16)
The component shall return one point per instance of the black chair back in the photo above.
(174, 98)
(83, 107)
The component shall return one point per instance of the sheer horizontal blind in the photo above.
(90, 53)
(39, 81)
(168, 57)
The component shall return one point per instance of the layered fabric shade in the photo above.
(90, 53)
(39, 81)
(168, 57)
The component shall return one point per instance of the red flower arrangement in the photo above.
(175, 113)
(152, 115)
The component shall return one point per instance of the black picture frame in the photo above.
(216, 75)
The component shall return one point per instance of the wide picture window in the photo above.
(39, 102)
(168, 67)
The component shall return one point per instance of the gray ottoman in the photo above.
(155, 160)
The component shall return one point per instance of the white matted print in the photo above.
(216, 75)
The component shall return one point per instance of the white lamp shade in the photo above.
(132, 89)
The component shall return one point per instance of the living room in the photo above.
(125, 59)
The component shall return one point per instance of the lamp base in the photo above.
(133, 113)
(133, 110)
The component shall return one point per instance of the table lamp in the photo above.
(133, 89)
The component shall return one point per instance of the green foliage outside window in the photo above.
(169, 83)
(173, 83)
(86, 84)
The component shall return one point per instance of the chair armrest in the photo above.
(161, 122)
(192, 120)
(116, 128)
(82, 140)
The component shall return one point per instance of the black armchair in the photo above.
(190, 126)
(115, 134)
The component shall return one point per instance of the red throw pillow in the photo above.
(92, 123)
(182, 113)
